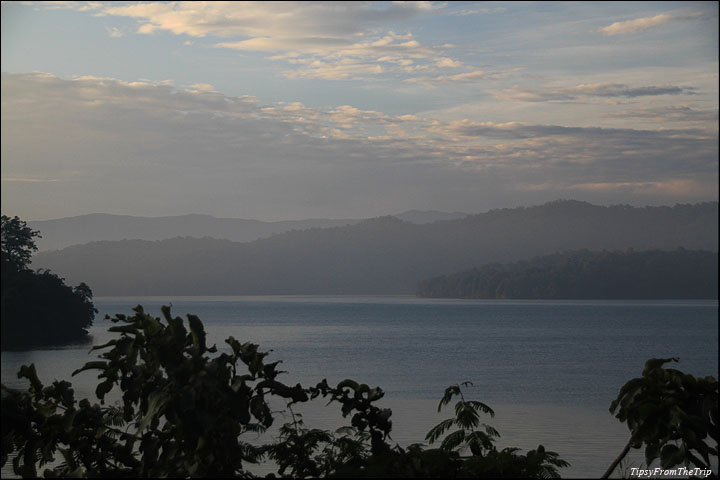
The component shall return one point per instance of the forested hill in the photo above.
(378, 256)
(679, 274)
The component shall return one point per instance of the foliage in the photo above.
(486, 460)
(466, 419)
(17, 243)
(183, 412)
(589, 275)
(673, 414)
(37, 307)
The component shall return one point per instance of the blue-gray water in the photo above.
(549, 368)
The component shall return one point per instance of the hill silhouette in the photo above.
(378, 256)
(64, 232)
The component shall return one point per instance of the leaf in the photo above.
(453, 440)
(652, 450)
(30, 373)
(656, 363)
(348, 383)
(450, 392)
(96, 365)
(103, 388)
(156, 400)
(668, 455)
(479, 406)
(198, 334)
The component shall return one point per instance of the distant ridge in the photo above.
(64, 232)
(378, 256)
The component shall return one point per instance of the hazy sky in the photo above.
(284, 110)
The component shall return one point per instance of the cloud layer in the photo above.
(316, 40)
(127, 145)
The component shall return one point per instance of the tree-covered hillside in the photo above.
(679, 274)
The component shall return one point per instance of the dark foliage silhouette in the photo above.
(673, 414)
(183, 412)
(37, 307)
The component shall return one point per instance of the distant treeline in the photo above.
(679, 274)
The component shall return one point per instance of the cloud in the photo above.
(266, 19)
(477, 10)
(341, 59)
(322, 40)
(465, 77)
(201, 87)
(68, 5)
(640, 24)
(29, 180)
(550, 94)
(670, 188)
(115, 32)
(127, 145)
(671, 114)
(619, 90)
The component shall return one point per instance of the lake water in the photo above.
(549, 369)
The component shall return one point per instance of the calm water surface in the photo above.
(549, 368)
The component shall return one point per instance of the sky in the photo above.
(291, 110)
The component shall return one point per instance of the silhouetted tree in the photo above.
(37, 307)
(17, 243)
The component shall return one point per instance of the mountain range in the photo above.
(384, 255)
(64, 232)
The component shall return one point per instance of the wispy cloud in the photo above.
(115, 32)
(640, 24)
(267, 19)
(564, 94)
(478, 9)
(29, 180)
(465, 77)
(671, 188)
(671, 113)
(67, 5)
(338, 59)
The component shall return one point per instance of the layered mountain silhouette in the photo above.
(64, 232)
(385, 255)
